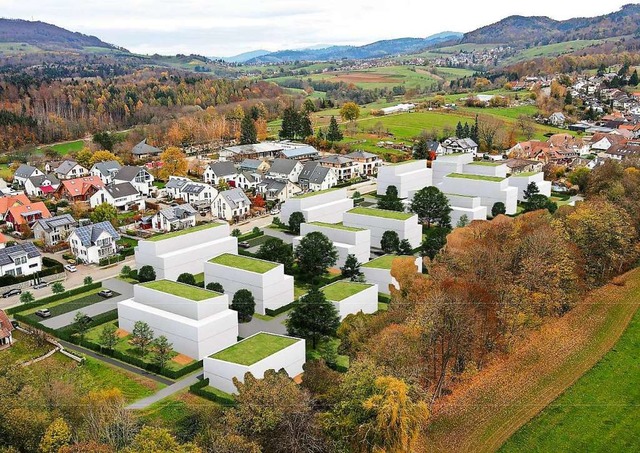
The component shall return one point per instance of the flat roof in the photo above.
(476, 177)
(181, 290)
(319, 192)
(373, 212)
(339, 291)
(525, 174)
(254, 348)
(336, 226)
(384, 262)
(174, 234)
(486, 164)
(245, 263)
(410, 161)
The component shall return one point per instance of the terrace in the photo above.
(384, 262)
(336, 226)
(476, 177)
(320, 192)
(254, 349)
(373, 212)
(339, 291)
(244, 263)
(181, 290)
(174, 234)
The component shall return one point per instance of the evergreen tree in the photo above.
(315, 254)
(404, 248)
(498, 208)
(568, 99)
(432, 206)
(390, 242)
(187, 278)
(245, 304)
(305, 128)
(313, 318)
(295, 220)
(530, 191)
(466, 131)
(290, 123)
(351, 268)
(633, 80)
(146, 274)
(459, 130)
(474, 132)
(434, 242)
(463, 221)
(421, 149)
(334, 134)
(248, 132)
(390, 200)
(215, 286)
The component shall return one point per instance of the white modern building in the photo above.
(91, 243)
(256, 355)
(138, 177)
(406, 176)
(378, 271)
(350, 297)
(174, 253)
(269, 285)
(197, 321)
(326, 206)
(522, 180)
(347, 240)
(467, 205)
(379, 220)
(490, 189)
(446, 164)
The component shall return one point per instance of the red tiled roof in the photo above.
(18, 213)
(5, 325)
(12, 200)
(80, 186)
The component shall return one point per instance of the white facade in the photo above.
(521, 181)
(407, 228)
(101, 247)
(405, 176)
(318, 207)
(125, 201)
(230, 204)
(382, 277)
(366, 301)
(346, 242)
(271, 290)
(186, 252)
(446, 164)
(36, 191)
(489, 191)
(142, 181)
(221, 373)
(20, 259)
(466, 205)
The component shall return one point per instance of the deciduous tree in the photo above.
(432, 206)
(295, 220)
(187, 278)
(146, 274)
(245, 304)
(142, 336)
(104, 212)
(350, 111)
(162, 351)
(275, 249)
(314, 318)
(174, 163)
(390, 200)
(390, 242)
(109, 336)
(315, 254)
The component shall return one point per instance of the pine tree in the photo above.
(568, 99)
(466, 131)
(405, 248)
(334, 134)
(290, 123)
(305, 130)
(248, 132)
(473, 133)
(633, 80)
(351, 268)
(459, 130)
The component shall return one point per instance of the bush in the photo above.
(245, 304)
(126, 271)
(279, 311)
(88, 280)
(215, 286)
(133, 274)
(236, 233)
(54, 298)
(199, 389)
(187, 278)
(146, 274)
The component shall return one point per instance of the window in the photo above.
(31, 266)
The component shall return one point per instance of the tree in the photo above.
(488, 133)
(55, 437)
(634, 80)
(81, 323)
(350, 111)
(390, 242)
(105, 140)
(305, 126)
(103, 156)
(527, 126)
(83, 157)
(531, 190)
(125, 271)
(104, 212)
(314, 318)
(290, 123)
(463, 221)
(404, 248)
(146, 274)
(162, 351)
(109, 336)
(88, 280)
(580, 177)
(315, 254)
(187, 278)
(26, 297)
(236, 233)
(295, 220)
(351, 268)
(333, 133)
(215, 286)
(459, 130)
(57, 288)
(248, 132)
(421, 149)
(498, 208)
(156, 440)
(538, 201)
(308, 106)
(142, 336)
(432, 206)
(390, 200)
(275, 249)
(245, 304)
(434, 242)
(174, 163)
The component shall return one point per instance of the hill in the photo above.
(242, 57)
(534, 31)
(47, 36)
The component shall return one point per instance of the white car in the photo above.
(275, 211)
(70, 267)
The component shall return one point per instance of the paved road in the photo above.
(286, 237)
(167, 391)
(259, 325)
(123, 288)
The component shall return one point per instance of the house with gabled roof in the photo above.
(9, 201)
(344, 167)
(20, 259)
(367, 163)
(25, 172)
(315, 177)
(106, 170)
(6, 339)
(143, 150)
(254, 166)
(138, 177)
(53, 230)
(79, 189)
(454, 145)
(285, 170)
(92, 243)
(196, 193)
(21, 217)
(302, 153)
(41, 185)
(70, 169)
(246, 180)
(231, 204)
(219, 171)
(279, 191)
(122, 195)
(174, 218)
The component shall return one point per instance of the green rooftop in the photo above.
(404, 162)
(341, 290)
(476, 177)
(319, 192)
(486, 164)
(175, 234)
(181, 290)
(254, 349)
(526, 174)
(373, 212)
(336, 226)
(244, 262)
(384, 262)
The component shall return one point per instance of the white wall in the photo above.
(324, 207)
(192, 309)
(408, 229)
(490, 192)
(521, 183)
(481, 168)
(445, 165)
(365, 301)
(382, 277)
(347, 242)
(406, 177)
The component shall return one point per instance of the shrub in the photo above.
(215, 286)
(126, 271)
(146, 274)
(88, 280)
(187, 278)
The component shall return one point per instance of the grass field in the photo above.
(244, 262)
(183, 290)
(341, 290)
(254, 349)
(5, 172)
(484, 412)
(172, 411)
(23, 349)
(67, 147)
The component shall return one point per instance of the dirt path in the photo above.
(486, 411)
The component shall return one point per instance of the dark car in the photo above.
(43, 313)
(12, 292)
(244, 244)
(105, 293)
(15, 324)
(40, 285)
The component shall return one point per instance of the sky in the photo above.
(229, 27)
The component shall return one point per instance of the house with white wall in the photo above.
(20, 259)
(315, 177)
(490, 189)
(522, 180)
(138, 177)
(41, 185)
(174, 218)
(24, 172)
(325, 206)
(121, 195)
(70, 169)
(378, 221)
(407, 177)
(196, 193)
(231, 204)
(91, 243)
(54, 229)
(346, 240)
(350, 298)
(285, 170)
(219, 171)
(279, 191)
(106, 170)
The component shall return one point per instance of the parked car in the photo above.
(43, 313)
(15, 324)
(11, 292)
(40, 285)
(274, 211)
(70, 267)
(244, 244)
(105, 293)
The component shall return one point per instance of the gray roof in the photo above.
(361, 155)
(299, 152)
(8, 253)
(272, 185)
(25, 171)
(66, 166)
(123, 189)
(264, 147)
(252, 164)
(176, 183)
(283, 166)
(38, 180)
(336, 159)
(234, 197)
(193, 188)
(89, 234)
(108, 167)
(143, 148)
(128, 173)
(248, 176)
(178, 212)
(55, 222)
(314, 173)
(223, 168)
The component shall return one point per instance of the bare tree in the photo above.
(488, 133)
(527, 126)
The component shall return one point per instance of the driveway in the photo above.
(167, 391)
(287, 238)
(125, 290)
(256, 325)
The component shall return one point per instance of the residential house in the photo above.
(533, 149)
(275, 190)
(266, 150)
(367, 163)
(70, 169)
(6, 328)
(285, 170)
(138, 177)
(41, 185)
(454, 145)
(106, 170)
(602, 142)
(344, 168)
(6, 189)
(315, 177)
(91, 243)
(20, 259)
(196, 193)
(54, 229)
(122, 195)
(254, 166)
(302, 153)
(174, 218)
(21, 217)
(557, 119)
(623, 151)
(246, 180)
(25, 172)
(9, 201)
(219, 171)
(517, 166)
(79, 189)
(143, 150)
(231, 204)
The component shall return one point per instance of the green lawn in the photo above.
(65, 148)
(476, 177)
(486, 164)
(254, 349)
(181, 290)
(600, 412)
(336, 226)
(23, 349)
(5, 172)
(127, 242)
(244, 262)
(320, 192)
(259, 240)
(384, 262)
(173, 234)
(394, 215)
(339, 291)
(67, 304)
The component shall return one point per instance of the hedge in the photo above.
(246, 253)
(199, 389)
(279, 311)
(249, 236)
(55, 267)
(128, 251)
(384, 298)
(53, 298)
